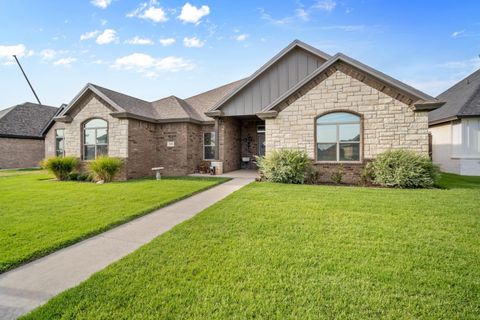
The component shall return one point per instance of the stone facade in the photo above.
(21, 153)
(387, 123)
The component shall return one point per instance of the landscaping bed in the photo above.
(39, 215)
(301, 252)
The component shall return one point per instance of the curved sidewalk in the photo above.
(29, 286)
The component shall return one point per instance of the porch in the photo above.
(240, 140)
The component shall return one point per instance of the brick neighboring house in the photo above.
(337, 109)
(22, 134)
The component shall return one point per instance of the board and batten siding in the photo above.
(272, 83)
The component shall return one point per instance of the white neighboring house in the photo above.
(455, 128)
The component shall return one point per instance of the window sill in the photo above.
(338, 162)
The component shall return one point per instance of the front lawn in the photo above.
(38, 215)
(278, 251)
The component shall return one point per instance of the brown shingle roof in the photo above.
(25, 120)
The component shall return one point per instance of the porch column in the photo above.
(217, 138)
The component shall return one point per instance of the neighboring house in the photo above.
(455, 128)
(21, 134)
(337, 109)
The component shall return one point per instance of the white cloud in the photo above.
(193, 42)
(150, 66)
(326, 5)
(167, 41)
(192, 14)
(89, 35)
(103, 4)
(149, 11)
(64, 61)
(103, 22)
(107, 36)
(18, 50)
(48, 54)
(458, 33)
(241, 37)
(138, 40)
(302, 14)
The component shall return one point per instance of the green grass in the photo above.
(39, 216)
(276, 251)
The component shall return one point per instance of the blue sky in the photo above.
(158, 48)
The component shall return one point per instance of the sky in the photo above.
(152, 49)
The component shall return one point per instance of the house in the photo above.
(337, 109)
(22, 129)
(455, 128)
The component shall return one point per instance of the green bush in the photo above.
(61, 167)
(403, 169)
(77, 176)
(285, 166)
(105, 168)
(337, 175)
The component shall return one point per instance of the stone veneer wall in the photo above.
(387, 123)
(91, 107)
(21, 153)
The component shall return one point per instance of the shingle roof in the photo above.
(166, 109)
(462, 99)
(205, 101)
(25, 120)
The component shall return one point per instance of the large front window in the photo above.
(95, 139)
(209, 141)
(60, 142)
(338, 137)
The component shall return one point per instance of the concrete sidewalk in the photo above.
(33, 284)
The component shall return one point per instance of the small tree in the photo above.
(285, 166)
(61, 167)
(403, 169)
(105, 168)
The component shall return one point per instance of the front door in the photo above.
(261, 144)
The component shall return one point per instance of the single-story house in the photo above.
(337, 109)
(455, 128)
(22, 129)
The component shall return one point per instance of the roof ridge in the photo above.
(473, 74)
(118, 92)
(9, 109)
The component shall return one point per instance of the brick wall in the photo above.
(387, 122)
(229, 144)
(143, 154)
(20, 153)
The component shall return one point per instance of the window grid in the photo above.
(96, 144)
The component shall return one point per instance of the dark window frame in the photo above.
(96, 144)
(338, 142)
(211, 145)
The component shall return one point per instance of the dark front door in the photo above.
(261, 144)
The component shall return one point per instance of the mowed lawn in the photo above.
(274, 251)
(38, 215)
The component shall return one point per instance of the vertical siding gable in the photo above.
(272, 83)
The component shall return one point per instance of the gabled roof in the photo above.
(295, 44)
(462, 100)
(169, 109)
(26, 120)
(424, 101)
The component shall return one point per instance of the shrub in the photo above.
(77, 176)
(61, 167)
(337, 175)
(403, 169)
(105, 168)
(285, 166)
(73, 176)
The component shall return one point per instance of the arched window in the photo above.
(338, 137)
(95, 139)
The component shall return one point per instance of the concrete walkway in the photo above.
(33, 284)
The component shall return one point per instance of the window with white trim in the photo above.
(95, 139)
(338, 137)
(209, 141)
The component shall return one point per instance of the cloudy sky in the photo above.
(157, 48)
